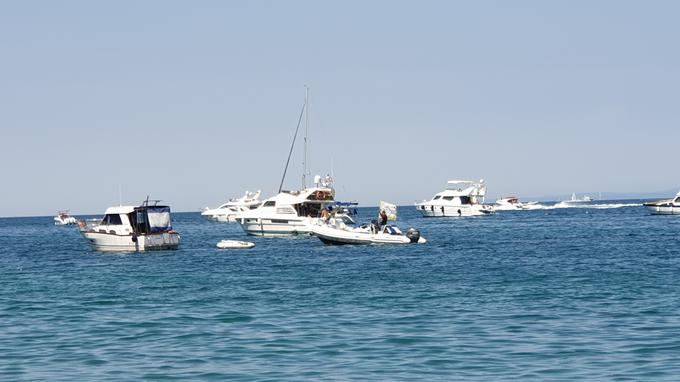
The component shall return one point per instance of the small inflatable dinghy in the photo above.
(234, 244)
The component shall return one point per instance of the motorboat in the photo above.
(664, 207)
(461, 198)
(235, 244)
(576, 201)
(290, 212)
(512, 203)
(63, 218)
(130, 228)
(336, 232)
(229, 211)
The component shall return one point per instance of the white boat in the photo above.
(235, 244)
(129, 228)
(292, 212)
(289, 212)
(665, 207)
(576, 201)
(461, 198)
(63, 218)
(336, 232)
(512, 203)
(229, 211)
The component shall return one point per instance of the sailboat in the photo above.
(292, 212)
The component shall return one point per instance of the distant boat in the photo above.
(461, 198)
(665, 207)
(63, 218)
(229, 211)
(510, 203)
(576, 201)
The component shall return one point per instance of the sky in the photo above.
(196, 102)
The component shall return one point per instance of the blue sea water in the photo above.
(555, 294)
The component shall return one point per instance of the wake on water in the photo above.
(588, 205)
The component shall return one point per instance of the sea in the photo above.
(586, 293)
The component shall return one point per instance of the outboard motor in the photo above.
(413, 235)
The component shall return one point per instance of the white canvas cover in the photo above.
(159, 219)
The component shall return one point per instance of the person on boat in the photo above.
(382, 220)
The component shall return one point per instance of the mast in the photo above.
(285, 169)
(304, 160)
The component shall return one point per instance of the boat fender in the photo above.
(413, 235)
(134, 238)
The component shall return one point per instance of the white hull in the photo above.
(67, 221)
(277, 226)
(664, 210)
(454, 211)
(113, 242)
(331, 235)
(235, 244)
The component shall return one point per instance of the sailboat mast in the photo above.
(304, 161)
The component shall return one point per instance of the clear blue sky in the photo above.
(193, 102)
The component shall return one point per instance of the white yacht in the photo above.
(576, 201)
(229, 211)
(63, 218)
(129, 228)
(461, 198)
(665, 207)
(289, 212)
(512, 203)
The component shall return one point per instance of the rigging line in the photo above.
(292, 145)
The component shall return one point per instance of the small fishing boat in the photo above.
(129, 228)
(63, 218)
(337, 233)
(235, 244)
(664, 207)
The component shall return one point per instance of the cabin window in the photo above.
(448, 198)
(285, 210)
(112, 219)
(677, 200)
(465, 200)
(269, 203)
(437, 197)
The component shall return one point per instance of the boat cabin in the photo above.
(140, 220)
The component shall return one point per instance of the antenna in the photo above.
(120, 195)
(304, 161)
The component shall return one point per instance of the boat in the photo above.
(229, 211)
(461, 198)
(664, 207)
(290, 212)
(63, 218)
(130, 228)
(576, 201)
(512, 203)
(235, 244)
(335, 232)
